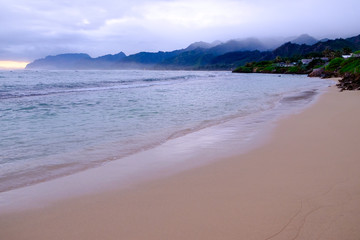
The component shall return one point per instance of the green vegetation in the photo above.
(342, 66)
(276, 66)
(315, 63)
(334, 64)
(263, 66)
(338, 66)
(295, 69)
(350, 65)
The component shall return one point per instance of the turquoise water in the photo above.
(56, 122)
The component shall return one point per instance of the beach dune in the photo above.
(304, 183)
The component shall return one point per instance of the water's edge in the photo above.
(172, 156)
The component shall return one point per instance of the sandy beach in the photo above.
(303, 183)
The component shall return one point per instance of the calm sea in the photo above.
(56, 122)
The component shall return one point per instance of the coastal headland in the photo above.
(303, 183)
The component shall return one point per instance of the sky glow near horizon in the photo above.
(33, 29)
(9, 65)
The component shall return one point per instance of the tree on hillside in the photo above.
(346, 50)
(278, 59)
(328, 53)
(331, 54)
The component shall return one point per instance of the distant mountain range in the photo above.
(304, 39)
(199, 55)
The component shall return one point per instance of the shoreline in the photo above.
(303, 183)
(192, 150)
(287, 104)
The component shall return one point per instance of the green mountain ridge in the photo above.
(198, 56)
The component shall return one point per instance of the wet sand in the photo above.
(304, 183)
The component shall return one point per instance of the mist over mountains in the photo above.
(304, 39)
(199, 55)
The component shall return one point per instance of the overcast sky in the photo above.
(32, 29)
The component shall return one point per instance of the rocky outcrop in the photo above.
(318, 72)
(350, 81)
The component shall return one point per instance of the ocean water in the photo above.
(53, 123)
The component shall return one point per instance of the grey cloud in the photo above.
(31, 29)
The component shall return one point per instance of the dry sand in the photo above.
(303, 184)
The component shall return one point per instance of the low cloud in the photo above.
(34, 29)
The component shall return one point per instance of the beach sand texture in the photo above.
(304, 183)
